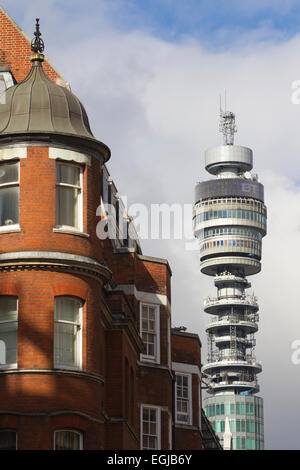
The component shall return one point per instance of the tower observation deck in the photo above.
(230, 220)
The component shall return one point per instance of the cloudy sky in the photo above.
(149, 73)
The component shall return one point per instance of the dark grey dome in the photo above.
(38, 107)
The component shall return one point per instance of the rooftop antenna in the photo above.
(227, 124)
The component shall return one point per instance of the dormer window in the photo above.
(9, 195)
(69, 210)
(7, 79)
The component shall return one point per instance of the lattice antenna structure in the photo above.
(227, 124)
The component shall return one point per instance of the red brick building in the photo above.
(88, 359)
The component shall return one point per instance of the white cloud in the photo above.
(157, 107)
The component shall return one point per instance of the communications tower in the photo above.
(230, 220)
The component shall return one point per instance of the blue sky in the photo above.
(217, 24)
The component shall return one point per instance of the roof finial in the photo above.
(37, 44)
(227, 124)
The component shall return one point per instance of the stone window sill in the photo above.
(10, 229)
(69, 231)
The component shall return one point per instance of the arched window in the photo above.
(8, 331)
(68, 332)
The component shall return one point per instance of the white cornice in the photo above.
(69, 155)
(13, 153)
(186, 368)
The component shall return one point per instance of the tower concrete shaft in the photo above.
(230, 221)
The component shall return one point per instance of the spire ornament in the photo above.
(37, 44)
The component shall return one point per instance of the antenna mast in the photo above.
(227, 125)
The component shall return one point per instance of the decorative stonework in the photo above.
(69, 155)
(47, 261)
(13, 153)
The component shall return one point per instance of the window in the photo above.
(183, 399)
(68, 440)
(150, 427)
(150, 332)
(8, 440)
(105, 177)
(9, 194)
(67, 332)
(8, 331)
(69, 196)
(220, 426)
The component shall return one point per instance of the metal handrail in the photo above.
(252, 300)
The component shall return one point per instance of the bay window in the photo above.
(8, 331)
(9, 195)
(68, 332)
(69, 207)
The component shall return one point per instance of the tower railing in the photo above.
(226, 319)
(239, 300)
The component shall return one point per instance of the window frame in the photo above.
(75, 431)
(157, 410)
(156, 357)
(105, 184)
(12, 227)
(79, 343)
(189, 422)
(79, 200)
(11, 430)
(14, 365)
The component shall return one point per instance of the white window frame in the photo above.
(69, 430)
(105, 182)
(12, 227)
(15, 365)
(79, 325)
(157, 410)
(156, 357)
(79, 201)
(190, 397)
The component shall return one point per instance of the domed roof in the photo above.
(37, 107)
